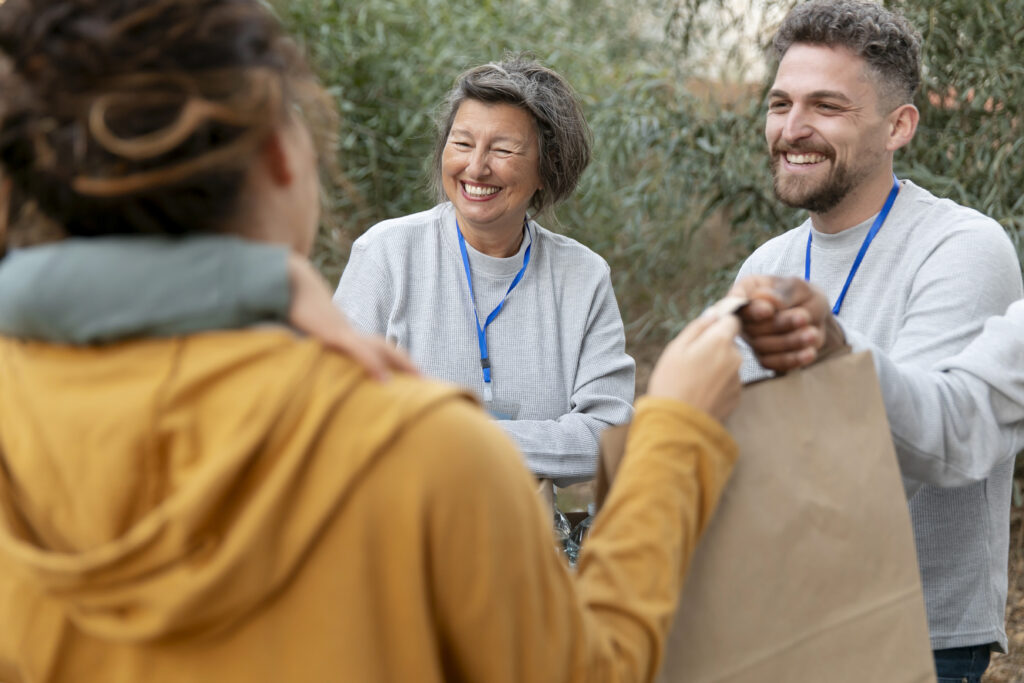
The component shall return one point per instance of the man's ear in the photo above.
(274, 155)
(902, 126)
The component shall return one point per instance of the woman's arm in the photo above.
(508, 608)
(565, 449)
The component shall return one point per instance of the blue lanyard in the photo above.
(875, 227)
(481, 332)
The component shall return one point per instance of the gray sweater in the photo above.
(954, 424)
(934, 274)
(560, 373)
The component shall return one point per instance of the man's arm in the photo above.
(951, 424)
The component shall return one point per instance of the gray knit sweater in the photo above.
(953, 424)
(933, 275)
(560, 372)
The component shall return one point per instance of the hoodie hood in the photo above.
(166, 486)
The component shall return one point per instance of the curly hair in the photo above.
(885, 40)
(564, 138)
(141, 116)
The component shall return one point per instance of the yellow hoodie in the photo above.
(246, 506)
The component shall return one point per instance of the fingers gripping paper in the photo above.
(808, 571)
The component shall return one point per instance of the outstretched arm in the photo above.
(508, 608)
(950, 424)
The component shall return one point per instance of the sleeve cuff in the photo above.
(679, 415)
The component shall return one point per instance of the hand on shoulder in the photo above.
(313, 312)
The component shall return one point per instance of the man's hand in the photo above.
(788, 322)
(313, 312)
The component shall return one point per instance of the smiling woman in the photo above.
(489, 172)
(481, 295)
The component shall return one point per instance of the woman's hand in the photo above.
(313, 312)
(788, 322)
(701, 366)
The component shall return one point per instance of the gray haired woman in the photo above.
(479, 294)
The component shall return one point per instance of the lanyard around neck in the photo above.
(875, 227)
(481, 332)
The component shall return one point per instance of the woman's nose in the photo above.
(478, 166)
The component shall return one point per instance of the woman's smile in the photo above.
(477, 192)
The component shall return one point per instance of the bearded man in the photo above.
(909, 275)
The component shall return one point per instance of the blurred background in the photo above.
(679, 191)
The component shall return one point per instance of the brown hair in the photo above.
(141, 116)
(564, 138)
(885, 40)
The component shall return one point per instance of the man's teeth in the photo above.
(479, 191)
(805, 158)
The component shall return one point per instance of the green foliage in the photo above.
(969, 145)
(390, 63)
(659, 184)
(679, 191)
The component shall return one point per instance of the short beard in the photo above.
(840, 181)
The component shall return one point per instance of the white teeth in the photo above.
(478, 191)
(805, 158)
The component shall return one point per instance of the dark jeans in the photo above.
(962, 664)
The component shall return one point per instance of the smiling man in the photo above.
(908, 273)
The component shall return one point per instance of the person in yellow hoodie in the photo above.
(248, 505)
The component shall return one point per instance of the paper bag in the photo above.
(807, 571)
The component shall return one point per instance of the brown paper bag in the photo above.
(807, 572)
